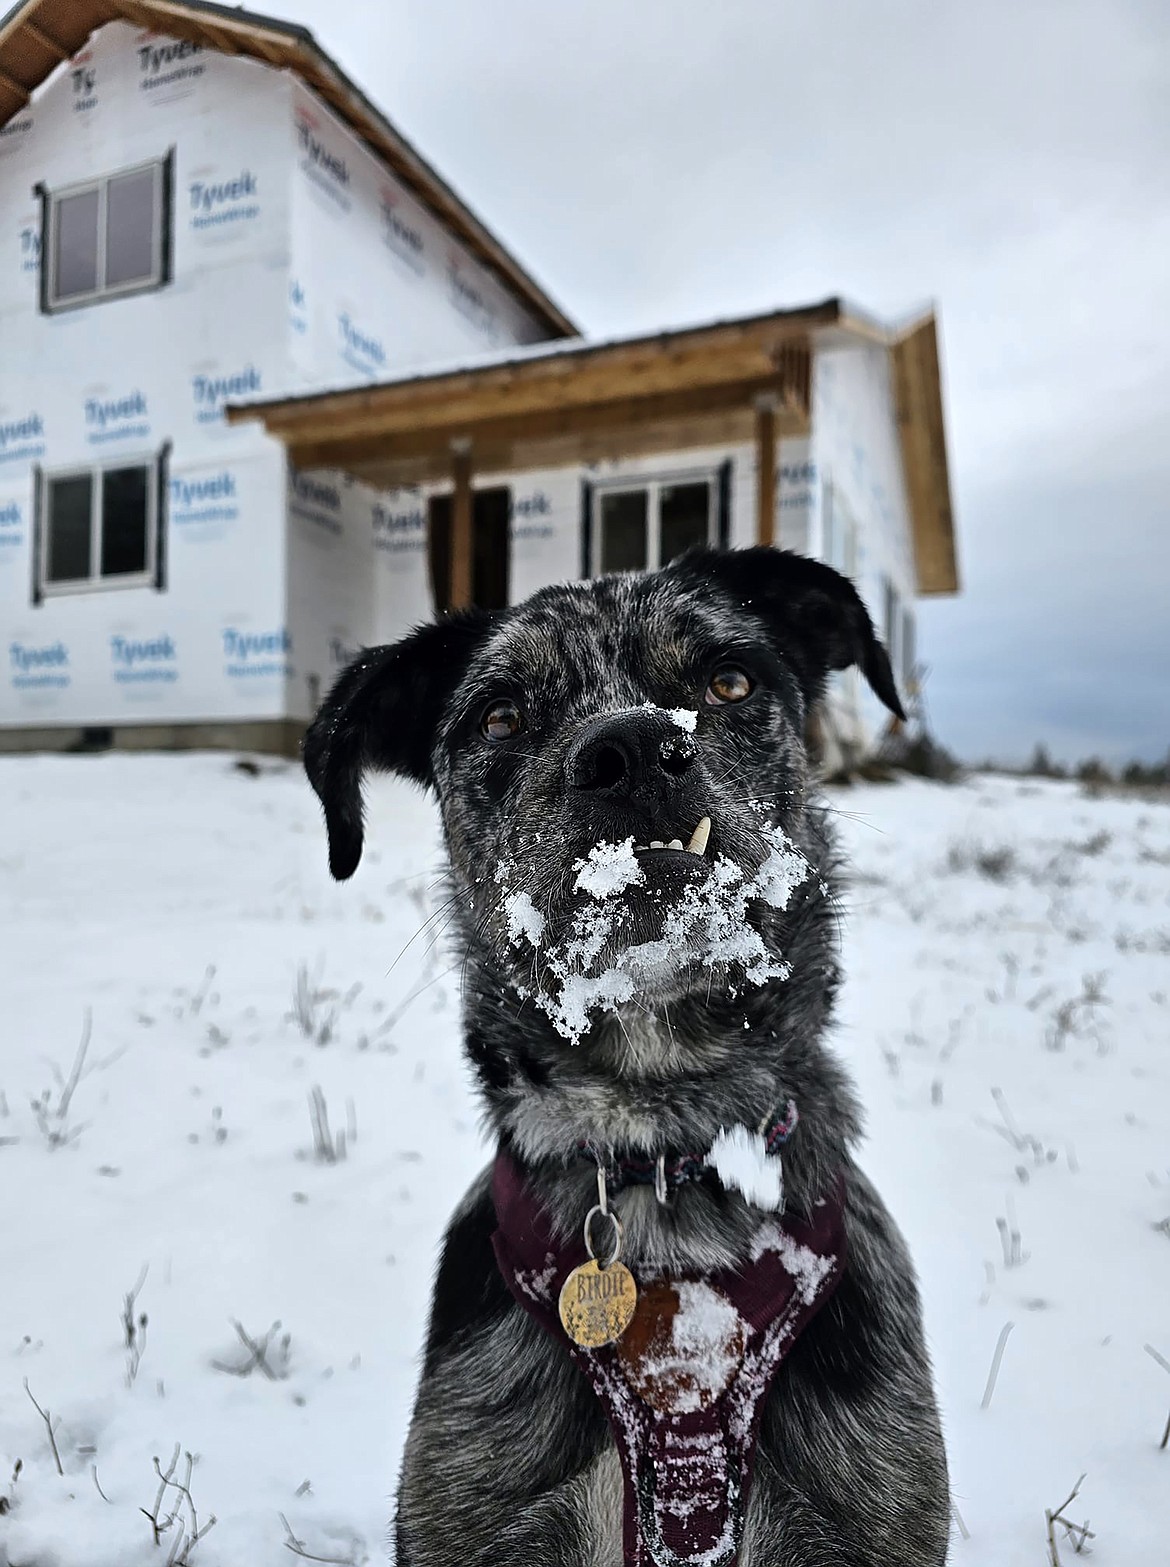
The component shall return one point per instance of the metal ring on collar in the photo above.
(660, 1189)
(594, 1213)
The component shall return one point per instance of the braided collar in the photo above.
(670, 1171)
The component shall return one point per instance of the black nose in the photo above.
(643, 751)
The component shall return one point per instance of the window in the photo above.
(106, 238)
(99, 527)
(641, 527)
(490, 548)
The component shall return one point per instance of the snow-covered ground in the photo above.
(1007, 1016)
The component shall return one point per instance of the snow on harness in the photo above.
(684, 1387)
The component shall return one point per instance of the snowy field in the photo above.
(1007, 1016)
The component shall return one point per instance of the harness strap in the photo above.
(684, 1388)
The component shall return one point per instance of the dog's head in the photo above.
(568, 736)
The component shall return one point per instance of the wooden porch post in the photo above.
(462, 544)
(766, 469)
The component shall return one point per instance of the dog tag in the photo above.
(598, 1300)
(597, 1304)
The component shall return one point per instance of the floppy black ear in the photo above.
(384, 712)
(814, 614)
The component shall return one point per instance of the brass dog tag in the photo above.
(598, 1300)
(597, 1304)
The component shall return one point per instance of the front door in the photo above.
(490, 511)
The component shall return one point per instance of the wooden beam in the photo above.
(766, 469)
(43, 38)
(141, 17)
(918, 402)
(616, 372)
(621, 419)
(218, 39)
(712, 354)
(462, 540)
(273, 55)
(392, 469)
(14, 87)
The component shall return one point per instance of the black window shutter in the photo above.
(586, 528)
(163, 505)
(168, 219)
(41, 192)
(723, 502)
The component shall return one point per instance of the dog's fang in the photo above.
(698, 843)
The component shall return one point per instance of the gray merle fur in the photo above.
(509, 1456)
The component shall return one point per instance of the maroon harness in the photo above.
(684, 1388)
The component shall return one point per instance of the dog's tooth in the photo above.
(675, 843)
(698, 843)
(657, 843)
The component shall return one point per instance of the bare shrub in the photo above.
(352, 1558)
(269, 1355)
(316, 1008)
(330, 1147)
(996, 862)
(175, 1494)
(8, 1498)
(51, 1426)
(1076, 1533)
(52, 1115)
(134, 1327)
(1094, 845)
(1165, 1365)
(1079, 1017)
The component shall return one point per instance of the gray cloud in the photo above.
(664, 162)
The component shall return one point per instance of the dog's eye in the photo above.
(728, 684)
(500, 721)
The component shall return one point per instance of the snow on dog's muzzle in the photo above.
(644, 915)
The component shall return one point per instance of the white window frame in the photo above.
(653, 485)
(95, 582)
(53, 199)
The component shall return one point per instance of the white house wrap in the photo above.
(183, 229)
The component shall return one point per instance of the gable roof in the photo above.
(38, 35)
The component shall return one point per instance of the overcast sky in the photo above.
(657, 163)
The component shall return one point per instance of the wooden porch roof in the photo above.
(37, 36)
(585, 402)
(555, 404)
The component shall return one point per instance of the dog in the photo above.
(642, 875)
